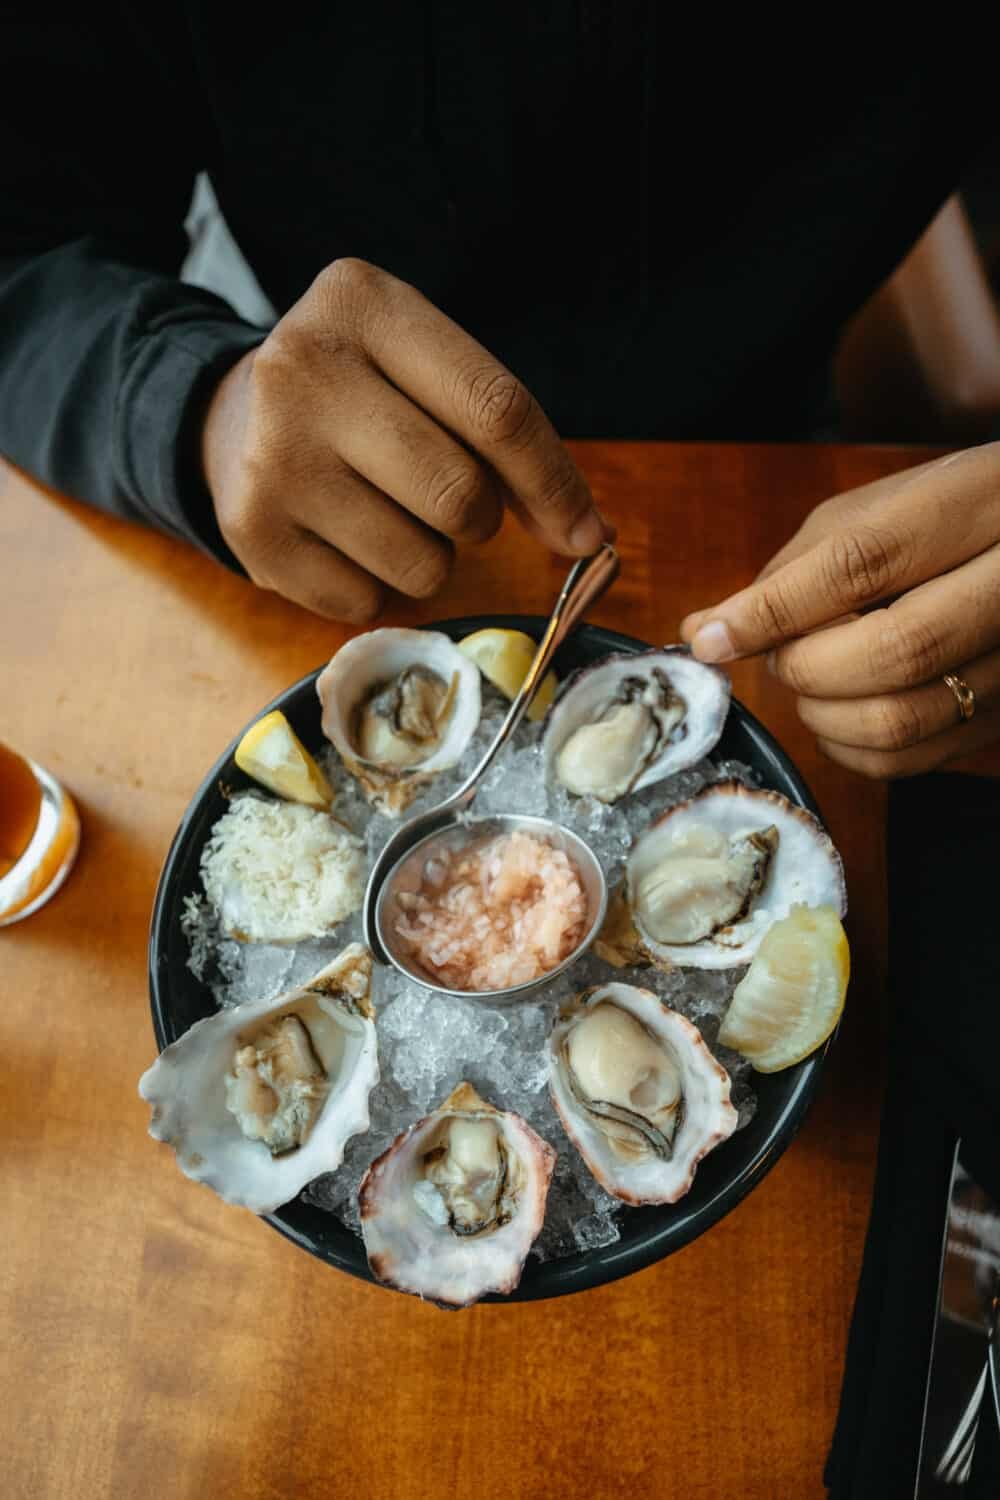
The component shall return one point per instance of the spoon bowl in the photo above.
(407, 876)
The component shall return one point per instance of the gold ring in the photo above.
(964, 696)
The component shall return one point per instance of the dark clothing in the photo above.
(661, 233)
(944, 832)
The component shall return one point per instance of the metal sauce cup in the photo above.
(407, 877)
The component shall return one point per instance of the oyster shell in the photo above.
(705, 882)
(451, 1209)
(258, 1100)
(399, 706)
(632, 720)
(640, 1095)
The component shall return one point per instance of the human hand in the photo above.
(880, 593)
(366, 436)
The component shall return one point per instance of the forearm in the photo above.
(921, 359)
(105, 372)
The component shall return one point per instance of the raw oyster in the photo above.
(399, 706)
(451, 1209)
(640, 1095)
(708, 878)
(258, 1100)
(631, 720)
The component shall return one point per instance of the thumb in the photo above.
(822, 584)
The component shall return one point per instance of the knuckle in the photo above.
(500, 406)
(905, 655)
(895, 724)
(423, 572)
(342, 304)
(772, 612)
(862, 564)
(456, 493)
(349, 279)
(561, 489)
(793, 670)
(287, 380)
(276, 362)
(269, 557)
(247, 526)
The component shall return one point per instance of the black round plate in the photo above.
(647, 1234)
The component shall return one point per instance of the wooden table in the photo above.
(156, 1341)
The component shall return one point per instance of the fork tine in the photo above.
(958, 1471)
(962, 1444)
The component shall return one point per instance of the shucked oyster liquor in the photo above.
(632, 720)
(705, 882)
(451, 1209)
(399, 706)
(258, 1100)
(639, 1093)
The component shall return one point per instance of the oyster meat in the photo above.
(451, 1209)
(632, 720)
(708, 878)
(258, 1100)
(707, 881)
(402, 722)
(277, 1084)
(639, 1093)
(399, 706)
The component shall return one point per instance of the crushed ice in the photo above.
(429, 1043)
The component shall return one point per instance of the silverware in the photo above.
(587, 581)
(993, 1364)
(955, 1464)
(964, 1357)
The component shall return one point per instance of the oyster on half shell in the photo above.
(451, 1209)
(399, 706)
(640, 1095)
(705, 882)
(258, 1100)
(632, 720)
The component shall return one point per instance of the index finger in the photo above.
(835, 577)
(914, 535)
(851, 506)
(459, 383)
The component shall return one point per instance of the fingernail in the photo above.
(588, 534)
(771, 663)
(713, 643)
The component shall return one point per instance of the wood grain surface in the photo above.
(157, 1342)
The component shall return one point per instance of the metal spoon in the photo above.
(587, 581)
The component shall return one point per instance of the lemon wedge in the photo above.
(792, 995)
(504, 658)
(272, 753)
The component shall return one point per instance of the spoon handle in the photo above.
(587, 581)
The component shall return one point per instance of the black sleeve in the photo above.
(106, 358)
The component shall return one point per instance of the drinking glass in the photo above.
(39, 835)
